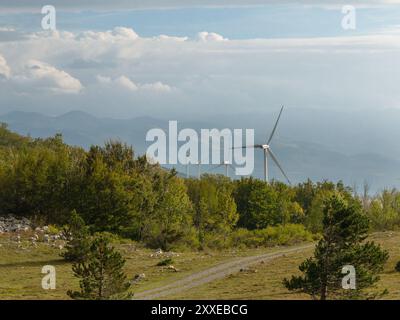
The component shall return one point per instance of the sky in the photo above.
(198, 58)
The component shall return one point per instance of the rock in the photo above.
(137, 278)
(171, 267)
(12, 224)
(157, 253)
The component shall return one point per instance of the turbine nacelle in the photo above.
(265, 146)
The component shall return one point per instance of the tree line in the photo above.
(115, 191)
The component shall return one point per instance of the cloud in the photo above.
(40, 75)
(7, 29)
(122, 72)
(5, 70)
(210, 36)
(126, 83)
(118, 33)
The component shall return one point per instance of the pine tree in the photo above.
(344, 231)
(77, 236)
(102, 276)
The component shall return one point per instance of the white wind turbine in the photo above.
(268, 152)
(227, 165)
(198, 164)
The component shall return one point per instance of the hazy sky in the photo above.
(197, 57)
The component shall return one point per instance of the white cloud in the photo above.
(201, 74)
(118, 33)
(157, 86)
(5, 70)
(126, 83)
(164, 37)
(41, 75)
(210, 36)
(7, 29)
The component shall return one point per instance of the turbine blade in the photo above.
(245, 147)
(277, 163)
(276, 124)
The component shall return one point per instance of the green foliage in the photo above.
(262, 204)
(384, 210)
(214, 205)
(101, 273)
(271, 236)
(78, 239)
(344, 231)
(165, 262)
(116, 192)
(170, 221)
(53, 229)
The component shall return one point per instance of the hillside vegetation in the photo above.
(118, 192)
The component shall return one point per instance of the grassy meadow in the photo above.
(20, 271)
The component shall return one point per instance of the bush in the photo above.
(53, 230)
(165, 262)
(397, 267)
(271, 236)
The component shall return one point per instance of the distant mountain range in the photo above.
(303, 153)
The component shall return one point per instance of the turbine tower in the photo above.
(188, 165)
(198, 164)
(268, 152)
(227, 165)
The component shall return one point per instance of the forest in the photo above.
(116, 191)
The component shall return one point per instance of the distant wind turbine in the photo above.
(268, 152)
(227, 165)
(198, 164)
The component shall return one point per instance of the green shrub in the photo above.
(165, 262)
(271, 236)
(397, 267)
(53, 229)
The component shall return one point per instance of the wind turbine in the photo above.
(198, 164)
(227, 165)
(268, 152)
(188, 165)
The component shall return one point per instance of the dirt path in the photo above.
(213, 273)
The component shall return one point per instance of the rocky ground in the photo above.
(20, 230)
(13, 224)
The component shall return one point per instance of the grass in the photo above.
(266, 283)
(20, 267)
(20, 271)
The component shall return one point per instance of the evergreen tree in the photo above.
(78, 241)
(344, 231)
(101, 273)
